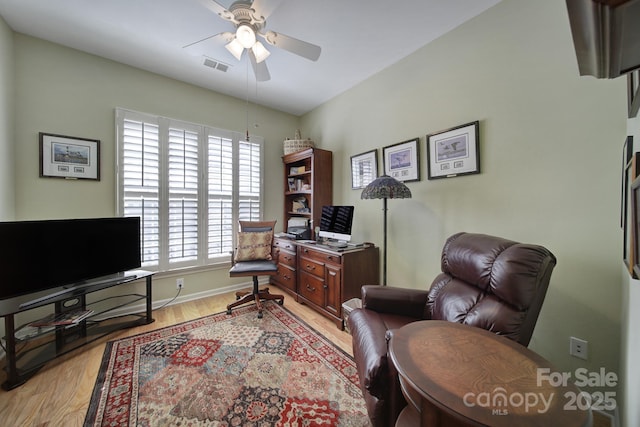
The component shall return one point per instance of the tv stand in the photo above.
(54, 341)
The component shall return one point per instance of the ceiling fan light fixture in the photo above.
(235, 48)
(246, 36)
(260, 52)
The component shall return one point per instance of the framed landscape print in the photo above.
(364, 169)
(454, 152)
(402, 160)
(69, 157)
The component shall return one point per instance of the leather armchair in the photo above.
(486, 281)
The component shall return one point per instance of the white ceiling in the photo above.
(358, 39)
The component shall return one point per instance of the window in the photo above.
(189, 184)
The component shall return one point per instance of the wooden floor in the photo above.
(58, 395)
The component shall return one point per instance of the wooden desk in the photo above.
(458, 375)
(323, 277)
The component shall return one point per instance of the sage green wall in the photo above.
(64, 91)
(550, 143)
(7, 184)
(550, 150)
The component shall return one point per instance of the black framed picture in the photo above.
(633, 93)
(634, 240)
(402, 160)
(454, 152)
(364, 169)
(69, 157)
(630, 173)
(627, 157)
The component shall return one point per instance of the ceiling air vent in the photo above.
(216, 65)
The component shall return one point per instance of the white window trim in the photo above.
(203, 261)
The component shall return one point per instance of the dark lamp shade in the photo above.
(386, 187)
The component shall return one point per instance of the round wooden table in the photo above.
(457, 375)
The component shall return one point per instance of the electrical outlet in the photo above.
(179, 283)
(578, 348)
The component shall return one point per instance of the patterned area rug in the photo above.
(224, 370)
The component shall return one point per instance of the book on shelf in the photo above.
(295, 170)
(62, 319)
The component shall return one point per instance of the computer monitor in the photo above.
(335, 223)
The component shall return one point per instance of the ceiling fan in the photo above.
(249, 18)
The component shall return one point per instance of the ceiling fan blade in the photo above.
(218, 9)
(293, 45)
(259, 69)
(208, 44)
(265, 8)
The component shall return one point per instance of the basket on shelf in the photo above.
(297, 144)
(293, 145)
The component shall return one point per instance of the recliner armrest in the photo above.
(370, 351)
(401, 301)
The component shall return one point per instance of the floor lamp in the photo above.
(385, 187)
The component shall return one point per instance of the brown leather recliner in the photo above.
(487, 282)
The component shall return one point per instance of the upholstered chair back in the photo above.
(491, 283)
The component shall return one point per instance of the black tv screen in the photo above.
(38, 255)
(335, 222)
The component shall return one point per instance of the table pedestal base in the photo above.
(420, 412)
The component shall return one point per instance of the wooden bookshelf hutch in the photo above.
(308, 185)
(309, 272)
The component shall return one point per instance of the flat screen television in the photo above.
(41, 255)
(335, 223)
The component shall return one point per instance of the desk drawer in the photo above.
(284, 244)
(312, 267)
(286, 277)
(311, 288)
(322, 257)
(286, 258)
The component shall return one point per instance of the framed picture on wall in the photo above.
(634, 244)
(402, 160)
(454, 152)
(627, 156)
(69, 157)
(364, 169)
(626, 212)
(633, 93)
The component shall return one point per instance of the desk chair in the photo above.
(252, 257)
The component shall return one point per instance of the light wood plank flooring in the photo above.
(58, 395)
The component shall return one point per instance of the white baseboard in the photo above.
(140, 308)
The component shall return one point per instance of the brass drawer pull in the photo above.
(310, 267)
(310, 288)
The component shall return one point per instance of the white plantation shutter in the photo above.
(140, 181)
(249, 181)
(220, 196)
(183, 195)
(189, 184)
